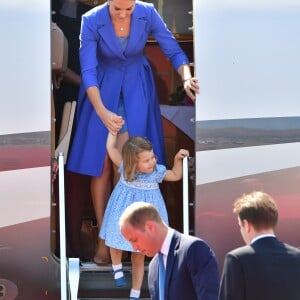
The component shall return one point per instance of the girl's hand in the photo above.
(175, 173)
(181, 154)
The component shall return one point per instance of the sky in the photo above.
(25, 62)
(247, 56)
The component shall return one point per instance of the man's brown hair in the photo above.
(258, 208)
(138, 213)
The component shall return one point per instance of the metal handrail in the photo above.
(185, 195)
(62, 229)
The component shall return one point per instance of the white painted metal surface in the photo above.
(185, 178)
(62, 230)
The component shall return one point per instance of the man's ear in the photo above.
(149, 226)
(247, 226)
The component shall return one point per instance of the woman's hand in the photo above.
(191, 87)
(112, 121)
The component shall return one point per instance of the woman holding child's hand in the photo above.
(118, 91)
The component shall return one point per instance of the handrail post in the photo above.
(62, 229)
(185, 195)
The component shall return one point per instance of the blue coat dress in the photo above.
(104, 64)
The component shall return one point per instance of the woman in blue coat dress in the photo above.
(117, 88)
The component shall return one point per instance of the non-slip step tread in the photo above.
(96, 282)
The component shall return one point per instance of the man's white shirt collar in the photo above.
(262, 236)
(166, 244)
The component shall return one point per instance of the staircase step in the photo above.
(110, 298)
(96, 282)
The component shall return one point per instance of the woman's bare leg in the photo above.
(100, 192)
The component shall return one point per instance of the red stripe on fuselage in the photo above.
(22, 157)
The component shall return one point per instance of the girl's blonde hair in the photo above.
(130, 151)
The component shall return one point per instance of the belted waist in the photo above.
(120, 62)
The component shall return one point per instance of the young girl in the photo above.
(140, 175)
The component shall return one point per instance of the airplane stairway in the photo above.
(87, 281)
(96, 282)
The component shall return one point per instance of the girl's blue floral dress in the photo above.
(144, 188)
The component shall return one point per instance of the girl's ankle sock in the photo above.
(118, 274)
(135, 293)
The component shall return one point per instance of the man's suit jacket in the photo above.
(265, 270)
(191, 271)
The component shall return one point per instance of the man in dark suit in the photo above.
(191, 270)
(266, 268)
